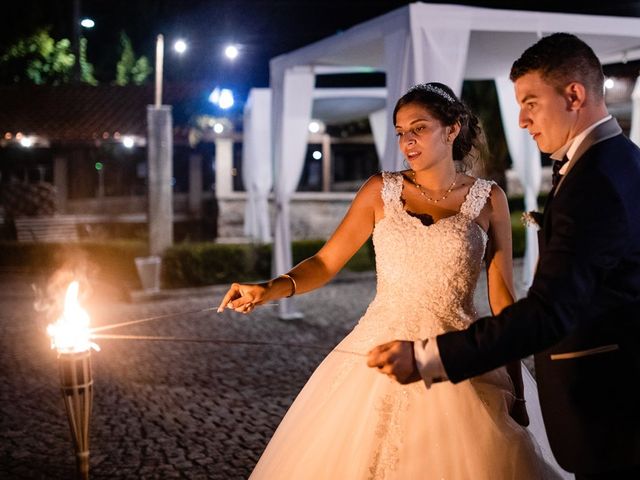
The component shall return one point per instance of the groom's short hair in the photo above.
(562, 58)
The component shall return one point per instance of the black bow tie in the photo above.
(556, 175)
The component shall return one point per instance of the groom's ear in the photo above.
(575, 95)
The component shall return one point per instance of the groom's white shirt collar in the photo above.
(569, 149)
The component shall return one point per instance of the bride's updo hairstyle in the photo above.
(470, 146)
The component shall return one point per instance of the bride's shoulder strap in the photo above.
(477, 197)
(391, 189)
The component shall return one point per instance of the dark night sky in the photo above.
(264, 28)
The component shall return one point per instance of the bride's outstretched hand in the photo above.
(242, 298)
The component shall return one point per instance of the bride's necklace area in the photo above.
(423, 191)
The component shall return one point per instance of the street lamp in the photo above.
(231, 52)
(180, 46)
(222, 97)
(314, 126)
(128, 141)
(87, 23)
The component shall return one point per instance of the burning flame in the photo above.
(71, 332)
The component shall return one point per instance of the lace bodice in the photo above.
(426, 275)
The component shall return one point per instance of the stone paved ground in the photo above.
(164, 410)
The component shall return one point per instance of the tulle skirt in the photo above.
(351, 422)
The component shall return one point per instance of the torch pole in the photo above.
(76, 383)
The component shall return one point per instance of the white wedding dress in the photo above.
(349, 422)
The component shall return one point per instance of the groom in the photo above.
(582, 314)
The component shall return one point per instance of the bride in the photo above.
(433, 227)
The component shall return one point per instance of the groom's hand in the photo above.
(396, 360)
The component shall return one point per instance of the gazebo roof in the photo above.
(497, 37)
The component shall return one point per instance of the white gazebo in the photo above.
(414, 44)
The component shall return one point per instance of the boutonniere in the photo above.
(532, 219)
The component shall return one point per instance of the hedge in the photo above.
(197, 264)
(183, 265)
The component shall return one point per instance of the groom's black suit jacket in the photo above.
(581, 315)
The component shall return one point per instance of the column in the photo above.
(224, 166)
(160, 173)
(195, 184)
(326, 163)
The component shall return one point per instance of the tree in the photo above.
(41, 59)
(129, 69)
(86, 69)
(38, 59)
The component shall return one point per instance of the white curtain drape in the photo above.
(526, 162)
(634, 134)
(428, 52)
(378, 122)
(292, 91)
(397, 49)
(439, 48)
(256, 164)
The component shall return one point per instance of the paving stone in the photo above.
(165, 409)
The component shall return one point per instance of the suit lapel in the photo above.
(602, 132)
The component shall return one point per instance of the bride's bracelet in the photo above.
(518, 399)
(293, 284)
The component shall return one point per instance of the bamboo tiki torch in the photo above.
(70, 335)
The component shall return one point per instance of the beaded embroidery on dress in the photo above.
(350, 422)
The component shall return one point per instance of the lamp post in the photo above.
(179, 46)
(159, 66)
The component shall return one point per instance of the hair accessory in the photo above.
(429, 87)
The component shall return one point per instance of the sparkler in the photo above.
(218, 341)
(70, 335)
(224, 341)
